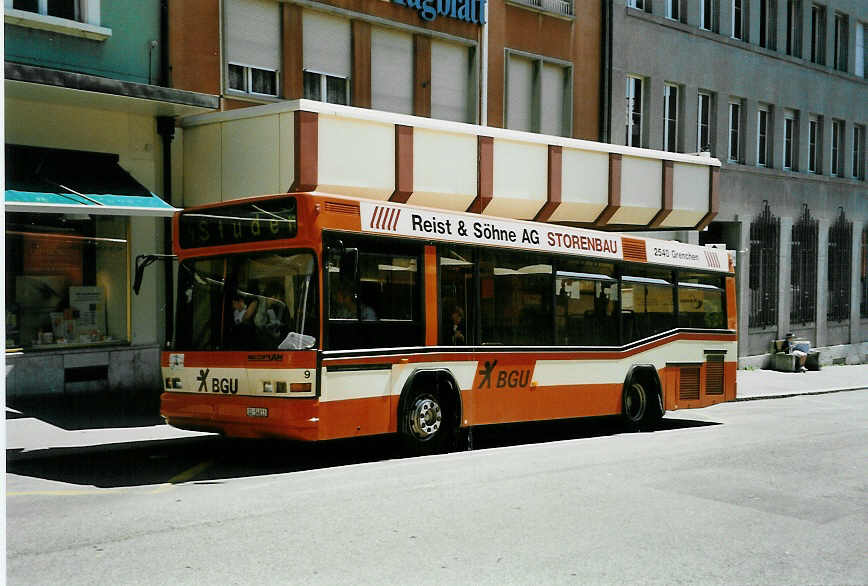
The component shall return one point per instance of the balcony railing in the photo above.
(560, 7)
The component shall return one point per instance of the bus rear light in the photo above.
(173, 383)
(281, 386)
(299, 387)
(267, 387)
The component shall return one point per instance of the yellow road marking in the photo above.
(184, 476)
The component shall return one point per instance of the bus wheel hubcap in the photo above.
(425, 417)
(634, 402)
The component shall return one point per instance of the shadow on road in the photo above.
(212, 459)
(88, 411)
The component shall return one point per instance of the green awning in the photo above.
(74, 182)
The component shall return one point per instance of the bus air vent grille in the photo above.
(688, 388)
(714, 375)
(634, 249)
(342, 208)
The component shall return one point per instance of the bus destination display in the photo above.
(248, 222)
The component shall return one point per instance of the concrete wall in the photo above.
(665, 51)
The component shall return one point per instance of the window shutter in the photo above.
(450, 82)
(391, 71)
(554, 80)
(253, 33)
(519, 94)
(327, 44)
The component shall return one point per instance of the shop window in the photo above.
(515, 298)
(66, 280)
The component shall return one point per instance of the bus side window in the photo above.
(457, 296)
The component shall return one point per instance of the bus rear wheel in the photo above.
(642, 407)
(426, 423)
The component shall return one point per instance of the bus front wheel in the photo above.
(426, 424)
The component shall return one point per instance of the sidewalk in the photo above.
(29, 436)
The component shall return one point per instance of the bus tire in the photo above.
(642, 405)
(427, 423)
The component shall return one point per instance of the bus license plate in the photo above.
(257, 412)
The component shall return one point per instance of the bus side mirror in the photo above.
(349, 264)
(142, 261)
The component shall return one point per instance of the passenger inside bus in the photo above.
(455, 327)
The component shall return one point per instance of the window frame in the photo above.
(841, 44)
(672, 10)
(836, 160)
(818, 34)
(735, 130)
(763, 116)
(813, 136)
(706, 15)
(323, 86)
(634, 81)
(537, 64)
(789, 150)
(707, 111)
(247, 71)
(858, 160)
(670, 116)
(738, 20)
(794, 28)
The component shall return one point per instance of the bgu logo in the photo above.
(509, 376)
(218, 385)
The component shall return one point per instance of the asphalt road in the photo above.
(763, 492)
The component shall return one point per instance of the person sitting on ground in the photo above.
(797, 349)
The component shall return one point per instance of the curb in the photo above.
(799, 394)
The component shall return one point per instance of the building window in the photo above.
(735, 132)
(252, 80)
(670, 118)
(813, 135)
(837, 161)
(840, 253)
(634, 112)
(789, 139)
(706, 14)
(841, 38)
(818, 34)
(794, 28)
(764, 242)
(252, 46)
(768, 24)
(68, 9)
(703, 121)
(639, 4)
(326, 88)
(859, 152)
(762, 133)
(738, 18)
(859, 65)
(673, 10)
(327, 57)
(538, 98)
(803, 276)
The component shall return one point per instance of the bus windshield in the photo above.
(257, 301)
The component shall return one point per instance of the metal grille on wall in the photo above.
(764, 245)
(840, 253)
(803, 277)
(863, 275)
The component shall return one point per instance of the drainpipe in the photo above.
(483, 118)
(606, 73)
(164, 50)
(166, 129)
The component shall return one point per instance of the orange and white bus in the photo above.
(313, 317)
